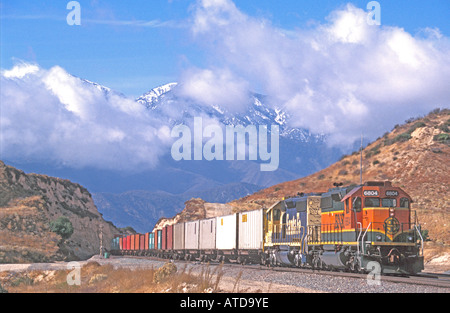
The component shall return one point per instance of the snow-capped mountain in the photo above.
(165, 99)
(153, 97)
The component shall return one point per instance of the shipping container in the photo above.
(169, 237)
(141, 242)
(207, 240)
(178, 236)
(151, 241)
(191, 235)
(128, 243)
(137, 241)
(132, 247)
(164, 238)
(226, 232)
(159, 240)
(251, 236)
(121, 243)
(146, 241)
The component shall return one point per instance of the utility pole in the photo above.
(101, 240)
(361, 162)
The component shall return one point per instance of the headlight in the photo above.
(379, 238)
(410, 239)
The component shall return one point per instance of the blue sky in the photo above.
(133, 58)
(319, 62)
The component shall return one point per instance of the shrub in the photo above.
(436, 111)
(164, 272)
(403, 137)
(416, 126)
(444, 128)
(2, 290)
(442, 137)
(376, 162)
(436, 150)
(343, 172)
(62, 226)
(322, 176)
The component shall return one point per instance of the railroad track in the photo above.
(424, 279)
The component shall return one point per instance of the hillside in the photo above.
(30, 202)
(143, 208)
(414, 156)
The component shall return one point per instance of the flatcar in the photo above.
(345, 228)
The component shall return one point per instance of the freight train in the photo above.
(346, 228)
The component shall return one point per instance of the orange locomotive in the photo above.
(370, 223)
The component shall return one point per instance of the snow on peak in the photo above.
(151, 98)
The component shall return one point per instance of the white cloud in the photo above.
(218, 87)
(51, 116)
(339, 78)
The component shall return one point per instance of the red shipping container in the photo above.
(132, 248)
(141, 242)
(136, 242)
(164, 238)
(146, 239)
(169, 237)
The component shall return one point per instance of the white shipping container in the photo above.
(251, 236)
(207, 234)
(178, 236)
(191, 235)
(226, 227)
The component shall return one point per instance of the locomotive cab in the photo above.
(380, 209)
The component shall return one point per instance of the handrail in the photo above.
(421, 238)
(362, 239)
(359, 236)
(304, 237)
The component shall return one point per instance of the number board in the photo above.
(392, 193)
(371, 193)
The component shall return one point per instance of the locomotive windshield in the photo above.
(372, 202)
(404, 203)
(389, 203)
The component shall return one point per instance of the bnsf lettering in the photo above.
(371, 193)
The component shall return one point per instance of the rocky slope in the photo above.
(29, 202)
(414, 156)
(196, 209)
